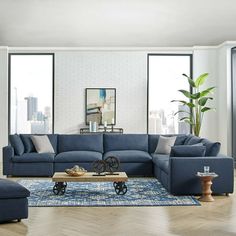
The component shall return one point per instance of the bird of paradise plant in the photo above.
(196, 102)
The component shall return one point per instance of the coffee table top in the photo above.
(88, 177)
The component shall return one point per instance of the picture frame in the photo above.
(100, 106)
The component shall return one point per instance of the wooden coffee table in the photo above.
(61, 179)
(206, 181)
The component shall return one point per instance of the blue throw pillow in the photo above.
(29, 146)
(194, 140)
(188, 151)
(212, 149)
(17, 144)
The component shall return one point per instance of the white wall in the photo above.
(125, 71)
(3, 99)
(224, 105)
(217, 61)
(205, 60)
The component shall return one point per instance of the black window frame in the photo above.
(166, 54)
(9, 85)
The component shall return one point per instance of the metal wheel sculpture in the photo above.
(120, 188)
(59, 188)
(99, 166)
(112, 164)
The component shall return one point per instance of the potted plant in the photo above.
(196, 102)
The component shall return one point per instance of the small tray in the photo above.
(202, 174)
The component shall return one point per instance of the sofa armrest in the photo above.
(183, 170)
(8, 153)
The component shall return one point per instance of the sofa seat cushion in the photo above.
(130, 156)
(78, 156)
(162, 161)
(34, 157)
(11, 189)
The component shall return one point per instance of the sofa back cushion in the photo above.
(77, 142)
(117, 142)
(212, 148)
(154, 138)
(188, 151)
(29, 146)
(17, 144)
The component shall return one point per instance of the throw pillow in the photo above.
(42, 144)
(164, 144)
(212, 148)
(188, 151)
(194, 140)
(17, 144)
(29, 146)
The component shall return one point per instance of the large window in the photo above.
(31, 93)
(164, 80)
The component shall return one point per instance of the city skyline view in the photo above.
(165, 79)
(31, 94)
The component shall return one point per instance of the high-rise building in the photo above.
(183, 127)
(32, 107)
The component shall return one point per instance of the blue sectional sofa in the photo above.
(135, 151)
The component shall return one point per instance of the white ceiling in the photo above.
(144, 23)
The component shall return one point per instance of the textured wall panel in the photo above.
(125, 71)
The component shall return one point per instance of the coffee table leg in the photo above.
(59, 188)
(120, 188)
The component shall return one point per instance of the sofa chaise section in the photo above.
(132, 151)
(182, 175)
(178, 174)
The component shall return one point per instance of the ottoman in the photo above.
(13, 201)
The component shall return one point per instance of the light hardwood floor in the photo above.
(216, 218)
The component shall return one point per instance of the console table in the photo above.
(102, 130)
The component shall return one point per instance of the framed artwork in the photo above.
(100, 105)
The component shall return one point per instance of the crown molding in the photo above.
(140, 49)
(120, 49)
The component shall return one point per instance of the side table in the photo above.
(206, 182)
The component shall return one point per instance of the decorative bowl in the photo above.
(76, 171)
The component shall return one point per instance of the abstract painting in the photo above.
(100, 105)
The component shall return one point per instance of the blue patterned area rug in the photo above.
(141, 192)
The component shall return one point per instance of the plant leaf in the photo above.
(181, 111)
(185, 118)
(190, 81)
(182, 101)
(195, 95)
(201, 79)
(189, 95)
(189, 104)
(185, 93)
(207, 91)
(202, 101)
(204, 109)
